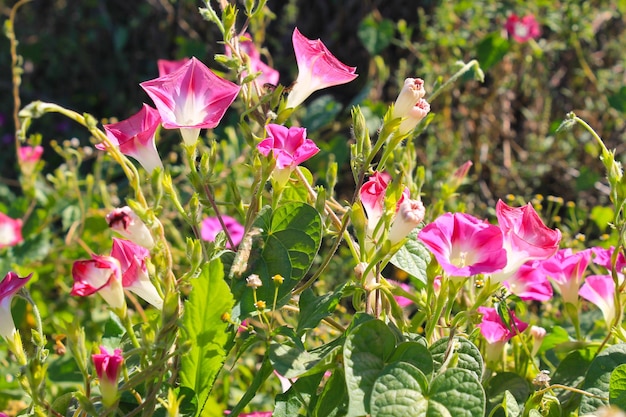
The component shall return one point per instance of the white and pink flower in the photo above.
(9, 286)
(125, 221)
(10, 231)
(108, 367)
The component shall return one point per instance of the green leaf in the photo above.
(459, 392)
(333, 401)
(375, 36)
(510, 405)
(413, 258)
(491, 50)
(618, 100)
(366, 349)
(617, 387)
(301, 395)
(504, 386)
(285, 241)
(571, 372)
(416, 354)
(464, 354)
(259, 377)
(313, 309)
(399, 391)
(294, 361)
(598, 377)
(205, 330)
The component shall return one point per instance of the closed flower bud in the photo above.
(410, 214)
(417, 113)
(410, 95)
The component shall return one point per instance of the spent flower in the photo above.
(125, 221)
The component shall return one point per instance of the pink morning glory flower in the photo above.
(317, 69)
(135, 137)
(603, 256)
(566, 270)
(289, 146)
(126, 222)
(191, 98)
(410, 104)
(132, 259)
(108, 368)
(211, 226)
(522, 29)
(167, 66)
(10, 284)
(10, 231)
(30, 154)
(526, 237)
(268, 75)
(402, 301)
(494, 330)
(372, 195)
(600, 290)
(101, 274)
(529, 282)
(464, 245)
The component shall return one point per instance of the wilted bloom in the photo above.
(566, 270)
(464, 245)
(211, 226)
(496, 332)
(268, 75)
(11, 284)
(191, 98)
(526, 237)
(522, 29)
(108, 367)
(600, 290)
(410, 214)
(167, 66)
(125, 222)
(372, 195)
(101, 274)
(410, 104)
(317, 69)
(254, 281)
(30, 154)
(132, 259)
(135, 137)
(529, 282)
(10, 231)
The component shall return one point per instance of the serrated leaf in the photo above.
(413, 258)
(399, 391)
(617, 387)
(205, 330)
(366, 349)
(465, 355)
(313, 309)
(598, 377)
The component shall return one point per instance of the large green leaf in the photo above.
(459, 392)
(365, 352)
(597, 380)
(416, 354)
(293, 361)
(399, 391)
(333, 401)
(491, 50)
(506, 388)
(313, 309)
(204, 330)
(413, 258)
(462, 354)
(281, 242)
(617, 387)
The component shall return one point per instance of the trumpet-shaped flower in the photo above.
(126, 222)
(30, 154)
(600, 290)
(132, 259)
(464, 245)
(566, 270)
(191, 98)
(10, 231)
(167, 66)
(529, 282)
(497, 333)
(101, 274)
(211, 226)
(268, 75)
(526, 237)
(289, 146)
(317, 69)
(372, 195)
(135, 137)
(10, 284)
(522, 29)
(108, 368)
(603, 257)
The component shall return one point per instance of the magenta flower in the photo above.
(101, 274)
(317, 69)
(211, 226)
(603, 256)
(191, 98)
(529, 282)
(268, 75)
(464, 245)
(289, 146)
(402, 301)
(167, 66)
(410, 104)
(132, 259)
(125, 222)
(10, 284)
(135, 137)
(522, 29)
(526, 237)
(372, 195)
(30, 154)
(108, 368)
(600, 290)
(566, 270)
(10, 231)
(493, 328)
